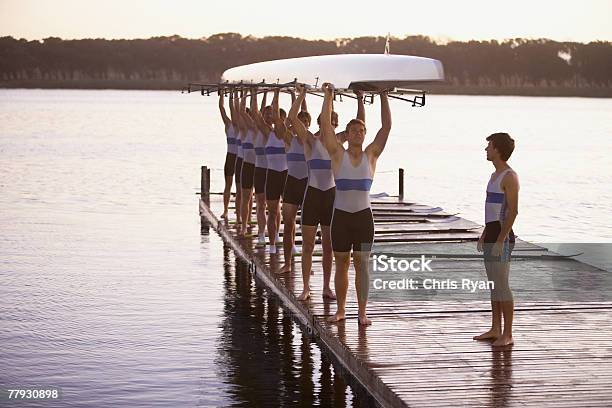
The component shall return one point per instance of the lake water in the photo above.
(110, 290)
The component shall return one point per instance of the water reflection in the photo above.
(501, 377)
(263, 355)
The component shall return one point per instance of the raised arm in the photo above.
(360, 106)
(280, 128)
(328, 136)
(376, 147)
(226, 120)
(300, 129)
(256, 114)
(304, 107)
(241, 106)
(246, 117)
(235, 104)
(232, 94)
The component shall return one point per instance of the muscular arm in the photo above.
(300, 129)
(239, 112)
(377, 146)
(360, 106)
(232, 106)
(226, 120)
(257, 116)
(279, 124)
(328, 136)
(246, 117)
(510, 185)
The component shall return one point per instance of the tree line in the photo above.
(510, 63)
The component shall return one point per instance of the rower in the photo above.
(319, 198)
(352, 223)
(261, 168)
(248, 128)
(230, 156)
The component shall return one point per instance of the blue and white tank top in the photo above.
(320, 174)
(248, 148)
(260, 151)
(231, 139)
(495, 203)
(353, 184)
(275, 153)
(296, 161)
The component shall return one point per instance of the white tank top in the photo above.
(353, 184)
(239, 152)
(296, 161)
(275, 153)
(320, 174)
(231, 139)
(495, 203)
(260, 151)
(248, 148)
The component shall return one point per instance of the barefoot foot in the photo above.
(488, 335)
(305, 295)
(284, 269)
(337, 317)
(364, 321)
(328, 294)
(503, 341)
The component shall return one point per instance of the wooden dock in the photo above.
(421, 353)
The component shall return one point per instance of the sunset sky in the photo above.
(562, 20)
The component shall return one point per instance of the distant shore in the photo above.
(441, 89)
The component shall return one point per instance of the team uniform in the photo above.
(352, 222)
(230, 157)
(276, 174)
(248, 164)
(495, 214)
(239, 156)
(297, 173)
(318, 205)
(261, 164)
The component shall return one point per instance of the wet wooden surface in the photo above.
(421, 349)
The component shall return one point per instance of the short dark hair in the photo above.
(282, 113)
(355, 122)
(503, 143)
(305, 115)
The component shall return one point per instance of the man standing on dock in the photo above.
(352, 223)
(230, 157)
(497, 239)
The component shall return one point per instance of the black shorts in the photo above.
(247, 174)
(318, 206)
(230, 164)
(352, 230)
(275, 184)
(491, 232)
(294, 190)
(238, 170)
(260, 180)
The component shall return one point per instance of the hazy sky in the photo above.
(563, 20)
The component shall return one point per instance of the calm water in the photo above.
(109, 289)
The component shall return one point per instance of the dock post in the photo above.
(205, 184)
(204, 199)
(205, 181)
(401, 184)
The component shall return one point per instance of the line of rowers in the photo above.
(278, 156)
